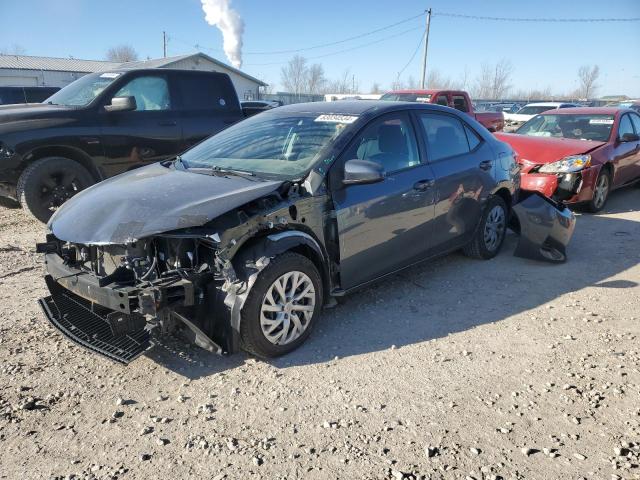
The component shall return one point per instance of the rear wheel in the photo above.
(490, 234)
(48, 183)
(601, 191)
(282, 307)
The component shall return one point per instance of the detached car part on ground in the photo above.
(243, 239)
(578, 155)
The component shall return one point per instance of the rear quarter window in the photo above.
(206, 92)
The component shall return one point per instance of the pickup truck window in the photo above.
(460, 103)
(151, 93)
(203, 92)
(407, 97)
(388, 141)
(442, 100)
(445, 136)
(84, 90)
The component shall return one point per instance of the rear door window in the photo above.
(445, 136)
(206, 92)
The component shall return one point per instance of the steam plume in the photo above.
(220, 14)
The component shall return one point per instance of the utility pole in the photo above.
(164, 44)
(426, 46)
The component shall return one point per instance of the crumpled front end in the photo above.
(545, 227)
(112, 299)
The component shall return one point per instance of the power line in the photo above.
(344, 50)
(551, 20)
(337, 42)
(415, 52)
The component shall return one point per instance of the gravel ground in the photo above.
(456, 369)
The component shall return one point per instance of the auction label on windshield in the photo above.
(601, 121)
(336, 118)
(110, 75)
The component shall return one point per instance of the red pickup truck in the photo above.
(494, 121)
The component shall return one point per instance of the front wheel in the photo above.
(282, 307)
(491, 231)
(601, 192)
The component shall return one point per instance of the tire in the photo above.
(258, 326)
(47, 183)
(599, 200)
(489, 236)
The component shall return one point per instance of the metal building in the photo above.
(25, 70)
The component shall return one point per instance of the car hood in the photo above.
(541, 150)
(31, 116)
(151, 200)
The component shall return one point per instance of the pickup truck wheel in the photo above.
(49, 182)
(491, 231)
(282, 307)
(601, 191)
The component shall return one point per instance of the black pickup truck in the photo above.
(104, 124)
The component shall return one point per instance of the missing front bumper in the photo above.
(115, 335)
(545, 228)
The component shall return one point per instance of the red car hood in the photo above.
(538, 150)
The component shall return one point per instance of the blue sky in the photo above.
(542, 54)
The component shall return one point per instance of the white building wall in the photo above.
(245, 88)
(46, 78)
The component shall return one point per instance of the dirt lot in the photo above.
(454, 369)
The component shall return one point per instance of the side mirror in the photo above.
(630, 137)
(358, 172)
(121, 104)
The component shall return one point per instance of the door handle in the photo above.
(486, 164)
(168, 123)
(424, 185)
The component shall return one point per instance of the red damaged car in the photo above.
(578, 155)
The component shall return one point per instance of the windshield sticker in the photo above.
(601, 121)
(336, 118)
(423, 99)
(110, 75)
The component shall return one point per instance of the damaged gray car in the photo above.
(244, 238)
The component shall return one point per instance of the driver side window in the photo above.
(625, 126)
(151, 93)
(389, 141)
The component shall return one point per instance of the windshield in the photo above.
(407, 97)
(83, 91)
(534, 110)
(269, 145)
(581, 127)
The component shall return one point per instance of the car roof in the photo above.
(356, 107)
(589, 111)
(547, 104)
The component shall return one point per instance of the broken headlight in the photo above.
(572, 163)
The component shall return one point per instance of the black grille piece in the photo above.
(86, 324)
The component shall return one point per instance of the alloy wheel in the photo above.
(494, 228)
(601, 191)
(287, 308)
(58, 188)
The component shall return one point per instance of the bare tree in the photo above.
(316, 80)
(587, 77)
(15, 49)
(344, 84)
(293, 75)
(493, 80)
(436, 80)
(375, 88)
(122, 53)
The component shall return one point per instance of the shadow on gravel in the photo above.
(448, 295)
(454, 293)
